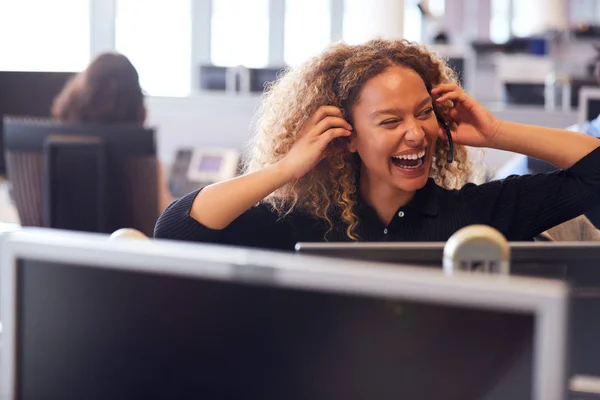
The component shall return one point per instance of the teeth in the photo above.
(419, 163)
(413, 156)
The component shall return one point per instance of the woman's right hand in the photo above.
(325, 125)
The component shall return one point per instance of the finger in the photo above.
(325, 111)
(334, 133)
(454, 96)
(445, 87)
(331, 122)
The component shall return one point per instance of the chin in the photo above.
(412, 184)
(411, 180)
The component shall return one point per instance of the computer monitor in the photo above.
(573, 262)
(213, 77)
(462, 60)
(458, 65)
(28, 93)
(589, 104)
(260, 77)
(89, 318)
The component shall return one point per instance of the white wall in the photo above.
(200, 120)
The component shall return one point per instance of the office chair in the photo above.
(95, 178)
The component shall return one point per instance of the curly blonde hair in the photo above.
(336, 77)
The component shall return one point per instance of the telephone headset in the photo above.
(444, 125)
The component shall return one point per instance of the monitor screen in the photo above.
(458, 65)
(261, 77)
(593, 109)
(28, 93)
(213, 77)
(210, 163)
(98, 333)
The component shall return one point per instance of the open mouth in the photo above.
(410, 161)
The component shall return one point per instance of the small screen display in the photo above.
(210, 163)
(593, 109)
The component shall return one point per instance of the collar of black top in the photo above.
(424, 201)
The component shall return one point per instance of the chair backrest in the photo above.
(82, 177)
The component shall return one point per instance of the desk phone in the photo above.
(202, 166)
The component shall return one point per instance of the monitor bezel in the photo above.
(586, 93)
(547, 300)
(540, 251)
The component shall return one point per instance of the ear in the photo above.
(441, 133)
(351, 146)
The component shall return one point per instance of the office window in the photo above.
(240, 33)
(500, 21)
(437, 7)
(352, 20)
(156, 35)
(307, 29)
(413, 21)
(584, 11)
(363, 20)
(37, 35)
(526, 19)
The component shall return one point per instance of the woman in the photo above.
(349, 147)
(107, 92)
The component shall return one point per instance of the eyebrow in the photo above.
(377, 113)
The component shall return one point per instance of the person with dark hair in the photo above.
(369, 143)
(108, 91)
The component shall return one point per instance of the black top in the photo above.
(520, 207)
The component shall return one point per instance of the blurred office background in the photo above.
(203, 63)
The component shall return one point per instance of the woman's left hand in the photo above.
(475, 125)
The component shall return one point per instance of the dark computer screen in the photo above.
(524, 93)
(261, 77)
(103, 333)
(458, 65)
(577, 83)
(213, 77)
(593, 109)
(28, 93)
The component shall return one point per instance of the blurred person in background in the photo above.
(108, 91)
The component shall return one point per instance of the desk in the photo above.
(8, 211)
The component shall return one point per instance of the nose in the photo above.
(414, 135)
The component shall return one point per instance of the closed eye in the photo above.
(389, 122)
(426, 112)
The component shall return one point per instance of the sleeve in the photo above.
(522, 207)
(257, 227)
